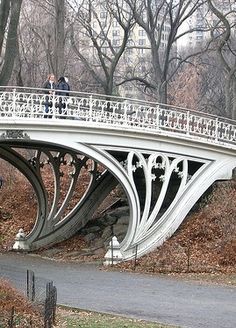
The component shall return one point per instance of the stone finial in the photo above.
(20, 242)
(113, 255)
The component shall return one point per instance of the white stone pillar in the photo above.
(20, 242)
(113, 255)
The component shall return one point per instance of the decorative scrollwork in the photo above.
(15, 134)
(118, 112)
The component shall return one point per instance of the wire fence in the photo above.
(42, 296)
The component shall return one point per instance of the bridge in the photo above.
(164, 158)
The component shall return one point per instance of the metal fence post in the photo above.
(135, 256)
(30, 285)
(112, 253)
(50, 305)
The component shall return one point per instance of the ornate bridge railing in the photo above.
(23, 103)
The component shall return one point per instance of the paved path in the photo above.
(142, 296)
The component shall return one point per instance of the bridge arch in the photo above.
(165, 153)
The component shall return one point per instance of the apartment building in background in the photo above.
(203, 20)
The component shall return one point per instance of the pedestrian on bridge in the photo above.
(64, 88)
(67, 82)
(50, 85)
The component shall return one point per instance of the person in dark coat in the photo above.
(49, 85)
(64, 87)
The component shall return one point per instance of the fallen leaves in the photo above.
(13, 305)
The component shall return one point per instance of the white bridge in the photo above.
(164, 158)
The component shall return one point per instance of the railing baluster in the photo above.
(158, 117)
(90, 108)
(53, 105)
(14, 102)
(187, 123)
(216, 129)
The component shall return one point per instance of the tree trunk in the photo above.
(59, 59)
(4, 13)
(234, 99)
(162, 90)
(228, 97)
(11, 42)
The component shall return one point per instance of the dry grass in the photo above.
(78, 318)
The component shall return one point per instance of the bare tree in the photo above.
(59, 49)
(185, 88)
(95, 46)
(200, 85)
(224, 41)
(162, 19)
(42, 40)
(9, 20)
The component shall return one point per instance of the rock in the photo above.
(124, 220)
(99, 252)
(107, 233)
(98, 243)
(120, 231)
(92, 229)
(121, 211)
(108, 219)
(89, 237)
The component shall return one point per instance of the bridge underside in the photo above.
(161, 187)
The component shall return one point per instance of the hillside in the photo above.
(205, 242)
(15, 310)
